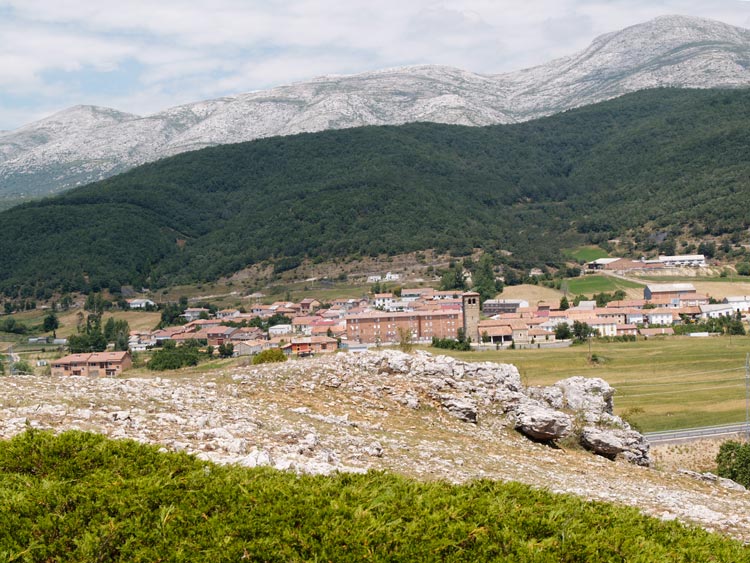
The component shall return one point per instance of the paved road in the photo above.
(691, 434)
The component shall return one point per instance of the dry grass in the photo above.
(138, 320)
(720, 290)
(531, 293)
(696, 456)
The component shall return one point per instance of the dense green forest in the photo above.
(670, 161)
(81, 497)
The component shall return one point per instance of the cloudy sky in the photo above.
(142, 56)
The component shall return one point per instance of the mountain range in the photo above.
(87, 143)
(666, 161)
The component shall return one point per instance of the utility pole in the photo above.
(747, 397)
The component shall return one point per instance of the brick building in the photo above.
(96, 364)
(377, 327)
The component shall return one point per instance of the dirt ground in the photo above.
(719, 290)
(696, 456)
(531, 293)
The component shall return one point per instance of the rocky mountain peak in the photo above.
(87, 143)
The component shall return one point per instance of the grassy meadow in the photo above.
(678, 382)
(590, 284)
(587, 253)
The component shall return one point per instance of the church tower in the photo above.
(470, 303)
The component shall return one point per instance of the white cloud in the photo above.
(185, 49)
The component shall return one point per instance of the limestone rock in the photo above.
(541, 423)
(586, 394)
(610, 443)
(713, 478)
(552, 395)
(463, 409)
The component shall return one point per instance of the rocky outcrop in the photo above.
(588, 395)
(543, 414)
(708, 477)
(611, 442)
(541, 423)
(590, 401)
(463, 409)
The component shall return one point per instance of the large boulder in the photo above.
(584, 394)
(614, 442)
(540, 422)
(462, 408)
(551, 395)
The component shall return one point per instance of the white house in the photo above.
(382, 300)
(659, 316)
(227, 314)
(400, 305)
(194, 313)
(635, 317)
(140, 303)
(606, 327)
(692, 260)
(392, 277)
(716, 311)
(739, 303)
(279, 330)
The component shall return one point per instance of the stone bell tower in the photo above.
(470, 302)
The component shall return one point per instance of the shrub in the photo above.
(174, 358)
(733, 462)
(81, 497)
(451, 344)
(269, 356)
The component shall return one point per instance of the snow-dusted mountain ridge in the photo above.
(87, 143)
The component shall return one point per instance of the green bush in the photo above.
(451, 344)
(22, 366)
(733, 462)
(269, 356)
(174, 357)
(81, 498)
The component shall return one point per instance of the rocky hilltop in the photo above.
(87, 143)
(429, 417)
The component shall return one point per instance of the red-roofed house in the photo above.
(96, 364)
(308, 345)
(308, 305)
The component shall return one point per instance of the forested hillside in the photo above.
(671, 160)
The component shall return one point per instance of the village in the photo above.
(417, 316)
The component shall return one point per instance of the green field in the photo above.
(587, 253)
(679, 382)
(588, 285)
